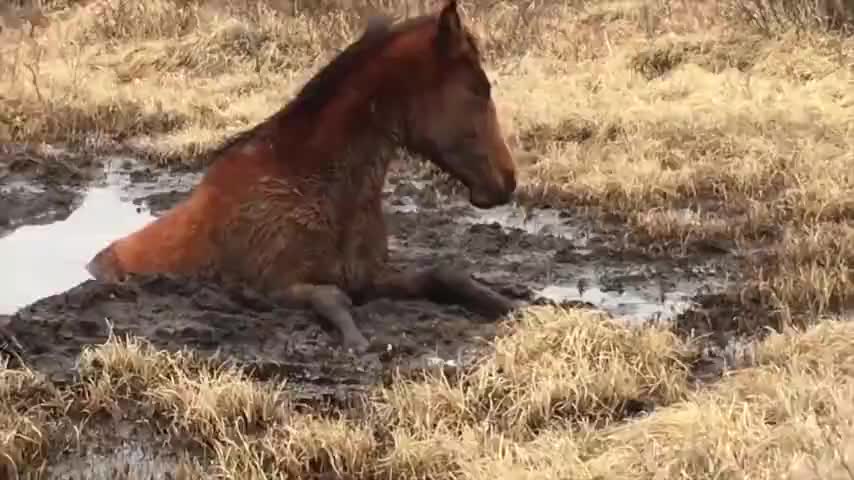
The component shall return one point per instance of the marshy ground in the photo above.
(683, 235)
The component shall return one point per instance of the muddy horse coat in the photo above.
(293, 206)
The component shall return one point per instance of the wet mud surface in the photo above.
(116, 449)
(37, 186)
(537, 257)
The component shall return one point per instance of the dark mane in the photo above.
(321, 88)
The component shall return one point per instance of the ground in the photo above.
(683, 241)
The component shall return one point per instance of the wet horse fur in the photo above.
(293, 206)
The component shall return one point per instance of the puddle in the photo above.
(636, 291)
(411, 196)
(544, 221)
(553, 253)
(49, 257)
(42, 260)
(630, 305)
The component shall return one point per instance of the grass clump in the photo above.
(527, 384)
(200, 397)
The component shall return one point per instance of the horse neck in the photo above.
(352, 138)
(361, 169)
(369, 139)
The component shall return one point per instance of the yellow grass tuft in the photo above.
(198, 397)
(557, 365)
(26, 398)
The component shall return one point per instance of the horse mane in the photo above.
(320, 89)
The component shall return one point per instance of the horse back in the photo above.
(184, 239)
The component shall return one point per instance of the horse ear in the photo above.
(450, 37)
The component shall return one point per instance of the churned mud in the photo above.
(53, 308)
(55, 217)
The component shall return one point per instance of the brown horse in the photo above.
(294, 206)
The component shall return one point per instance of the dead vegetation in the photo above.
(559, 399)
(695, 123)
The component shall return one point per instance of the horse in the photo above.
(293, 206)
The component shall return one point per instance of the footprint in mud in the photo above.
(540, 257)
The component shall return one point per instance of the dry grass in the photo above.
(722, 121)
(549, 403)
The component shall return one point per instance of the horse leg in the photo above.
(443, 285)
(331, 303)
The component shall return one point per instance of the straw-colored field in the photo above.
(693, 125)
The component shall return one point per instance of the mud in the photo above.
(537, 257)
(37, 185)
(544, 256)
(117, 450)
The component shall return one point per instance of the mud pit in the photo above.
(55, 216)
(52, 309)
